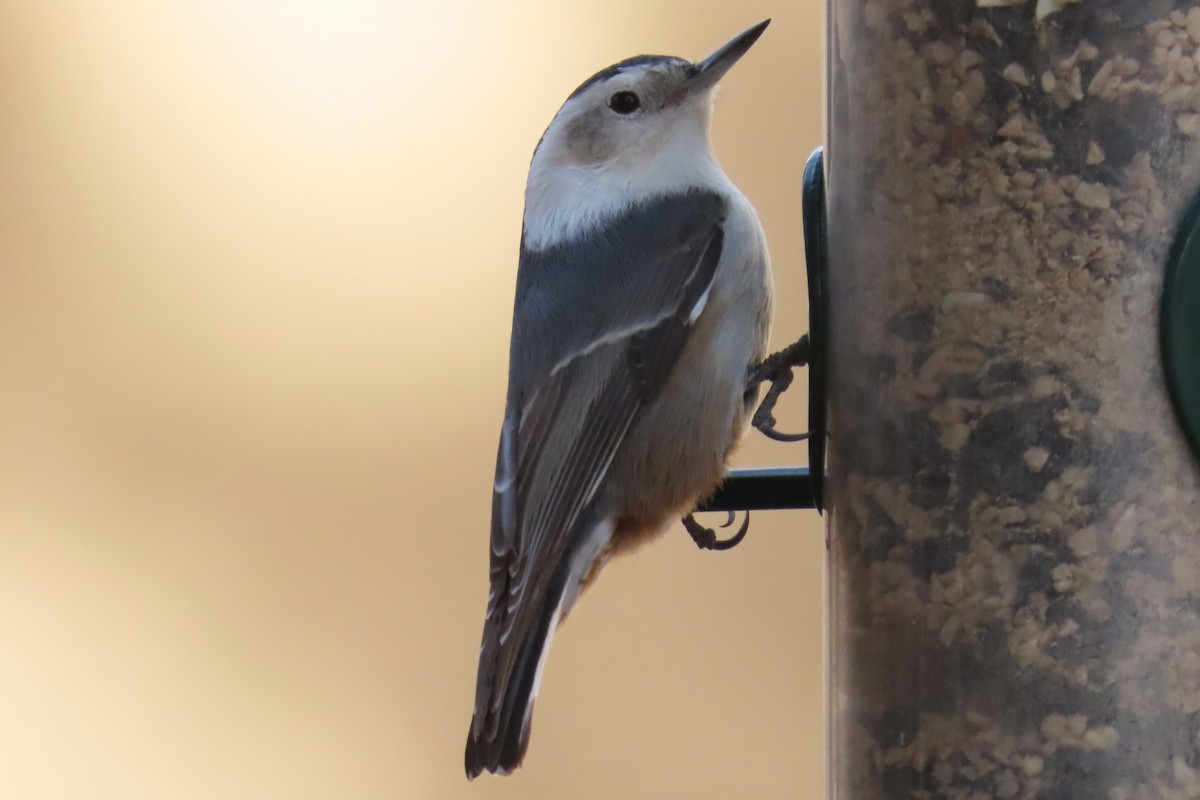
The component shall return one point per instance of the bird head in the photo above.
(641, 110)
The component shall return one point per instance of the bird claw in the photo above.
(706, 538)
(777, 368)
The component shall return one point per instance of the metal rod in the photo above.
(763, 489)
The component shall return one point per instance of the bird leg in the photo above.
(777, 368)
(706, 538)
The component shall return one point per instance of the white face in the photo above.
(628, 115)
(628, 133)
(636, 130)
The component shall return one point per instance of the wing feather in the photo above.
(598, 326)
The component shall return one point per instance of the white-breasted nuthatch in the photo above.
(643, 299)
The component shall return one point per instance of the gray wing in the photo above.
(598, 326)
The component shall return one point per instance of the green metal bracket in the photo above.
(1181, 325)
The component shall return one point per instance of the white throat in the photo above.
(563, 201)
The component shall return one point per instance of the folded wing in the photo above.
(598, 326)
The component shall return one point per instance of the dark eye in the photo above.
(624, 102)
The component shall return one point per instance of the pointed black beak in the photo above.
(713, 68)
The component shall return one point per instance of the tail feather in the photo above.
(500, 744)
(499, 732)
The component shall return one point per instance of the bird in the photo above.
(643, 303)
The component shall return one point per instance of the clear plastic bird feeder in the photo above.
(1014, 505)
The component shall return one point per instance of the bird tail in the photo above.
(498, 744)
(506, 688)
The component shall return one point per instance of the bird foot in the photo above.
(706, 538)
(777, 368)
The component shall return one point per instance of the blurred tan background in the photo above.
(256, 272)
